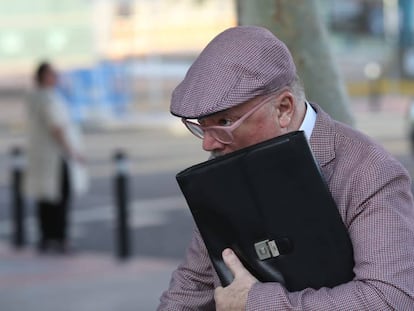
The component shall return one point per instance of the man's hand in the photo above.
(234, 296)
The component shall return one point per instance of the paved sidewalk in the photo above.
(80, 282)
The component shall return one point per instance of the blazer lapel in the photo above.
(322, 141)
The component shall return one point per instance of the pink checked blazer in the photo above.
(373, 194)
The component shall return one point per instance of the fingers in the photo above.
(233, 263)
(234, 296)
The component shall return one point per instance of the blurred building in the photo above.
(33, 30)
(356, 16)
(79, 32)
(383, 31)
(115, 56)
(145, 27)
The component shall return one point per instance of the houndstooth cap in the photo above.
(237, 65)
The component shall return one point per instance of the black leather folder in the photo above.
(271, 205)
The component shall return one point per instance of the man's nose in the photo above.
(210, 143)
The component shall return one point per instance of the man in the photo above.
(55, 161)
(242, 90)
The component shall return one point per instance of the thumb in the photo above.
(233, 263)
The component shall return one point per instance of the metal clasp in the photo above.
(266, 249)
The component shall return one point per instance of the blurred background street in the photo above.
(119, 65)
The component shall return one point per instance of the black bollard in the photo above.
(121, 184)
(17, 200)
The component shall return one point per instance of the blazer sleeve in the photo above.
(192, 283)
(380, 219)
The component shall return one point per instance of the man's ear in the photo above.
(286, 109)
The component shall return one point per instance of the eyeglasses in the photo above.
(222, 133)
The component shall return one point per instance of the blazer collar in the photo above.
(322, 140)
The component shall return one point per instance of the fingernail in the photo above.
(227, 252)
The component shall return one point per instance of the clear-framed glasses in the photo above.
(223, 134)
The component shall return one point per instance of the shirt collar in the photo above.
(309, 121)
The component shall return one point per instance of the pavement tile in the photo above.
(81, 282)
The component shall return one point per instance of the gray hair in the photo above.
(295, 87)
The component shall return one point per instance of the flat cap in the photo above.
(237, 65)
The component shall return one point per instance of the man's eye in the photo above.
(224, 122)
